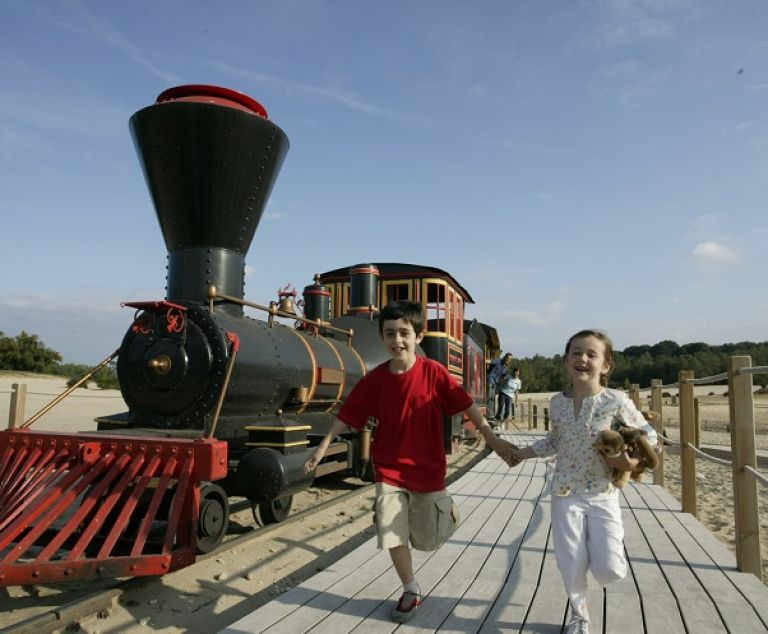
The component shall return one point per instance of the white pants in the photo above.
(588, 535)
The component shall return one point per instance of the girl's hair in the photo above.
(607, 344)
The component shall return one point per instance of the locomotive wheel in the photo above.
(273, 512)
(214, 518)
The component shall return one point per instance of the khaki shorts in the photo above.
(427, 520)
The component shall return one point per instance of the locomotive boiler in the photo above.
(220, 403)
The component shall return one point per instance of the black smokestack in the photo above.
(210, 158)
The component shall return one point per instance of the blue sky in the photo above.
(573, 164)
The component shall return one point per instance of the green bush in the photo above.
(26, 353)
(106, 378)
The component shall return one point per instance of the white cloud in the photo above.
(630, 81)
(628, 21)
(758, 142)
(713, 253)
(703, 227)
(555, 309)
(104, 31)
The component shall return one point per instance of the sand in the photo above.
(74, 413)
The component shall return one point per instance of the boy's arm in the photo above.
(337, 427)
(501, 447)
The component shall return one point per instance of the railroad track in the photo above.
(69, 609)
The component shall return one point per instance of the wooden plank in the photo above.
(748, 584)
(429, 570)
(622, 610)
(270, 615)
(528, 532)
(548, 605)
(487, 524)
(660, 611)
(697, 609)
(453, 570)
(734, 609)
(738, 611)
(482, 594)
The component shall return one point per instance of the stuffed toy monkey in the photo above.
(611, 442)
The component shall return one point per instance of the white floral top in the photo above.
(580, 468)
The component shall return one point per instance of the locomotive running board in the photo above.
(75, 507)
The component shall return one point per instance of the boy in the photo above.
(408, 396)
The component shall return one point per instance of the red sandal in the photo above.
(404, 611)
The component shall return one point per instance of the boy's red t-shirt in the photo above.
(408, 449)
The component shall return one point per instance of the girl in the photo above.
(586, 518)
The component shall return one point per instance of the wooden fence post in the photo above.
(687, 455)
(656, 406)
(530, 414)
(697, 424)
(634, 394)
(745, 500)
(16, 410)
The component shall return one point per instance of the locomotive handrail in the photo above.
(69, 391)
(274, 312)
(89, 395)
(234, 340)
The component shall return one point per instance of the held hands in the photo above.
(507, 452)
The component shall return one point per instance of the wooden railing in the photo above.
(743, 452)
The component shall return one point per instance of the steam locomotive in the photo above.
(243, 397)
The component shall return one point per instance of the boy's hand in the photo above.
(507, 452)
(314, 460)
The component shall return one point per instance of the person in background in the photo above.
(510, 385)
(587, 529)
(517, 385)
(497, 370)
(408, 397)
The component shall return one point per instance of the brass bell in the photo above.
(286, 306)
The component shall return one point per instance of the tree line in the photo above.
(641, 364)
(26, 353)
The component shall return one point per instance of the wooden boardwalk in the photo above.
(498, 572)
